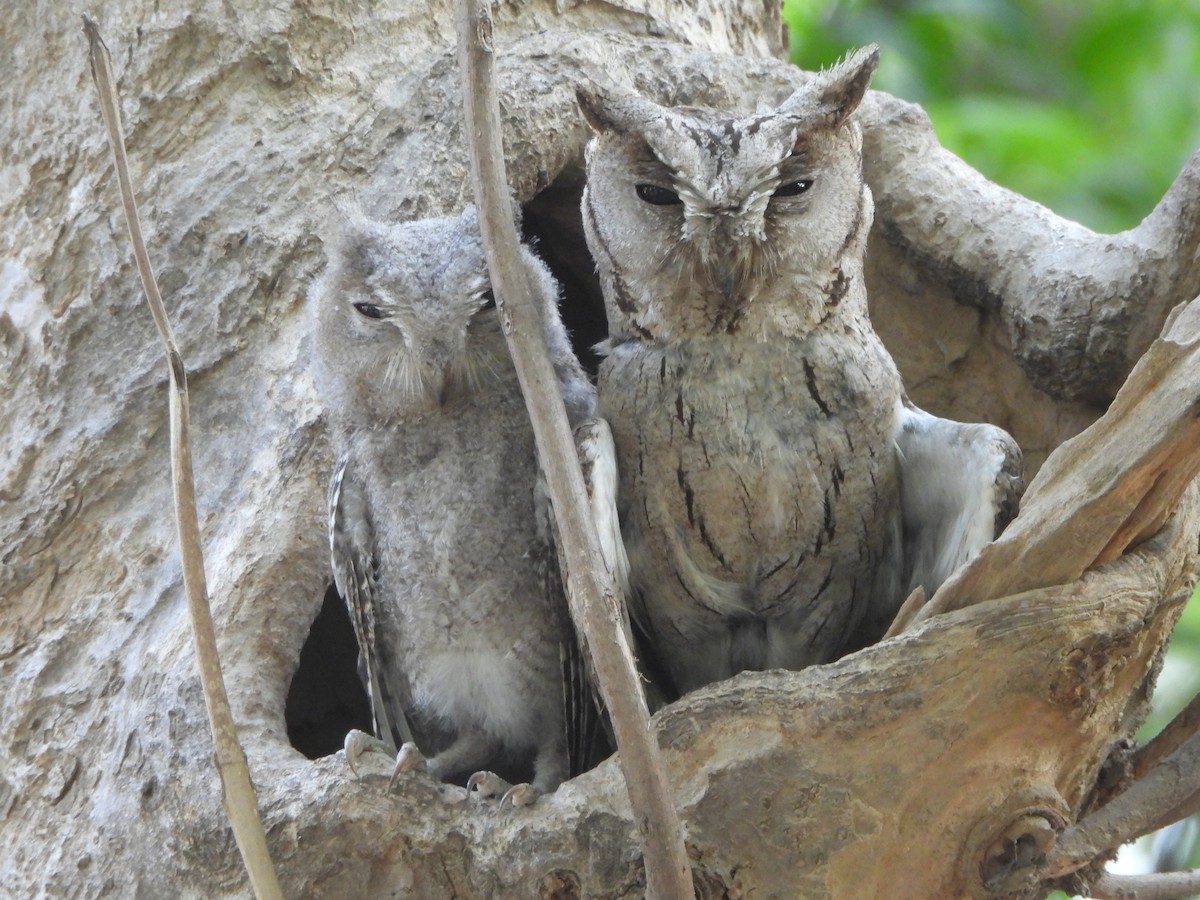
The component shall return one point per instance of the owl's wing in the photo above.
(960, 485)
(588, 743)
(589, 732)
(350, 546)
(598, 460)
(582, 706)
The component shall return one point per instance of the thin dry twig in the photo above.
(1160, 886)
(241, 803)
(595, 606)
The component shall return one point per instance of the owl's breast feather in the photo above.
(745, 461)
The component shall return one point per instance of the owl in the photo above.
(439, 529)
(777, 495)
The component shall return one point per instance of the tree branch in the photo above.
(1163, 744)
(1082, 307)
(1104, 490)
(594, 604)
(241, 803)
(1160, 886)
(1143, 807)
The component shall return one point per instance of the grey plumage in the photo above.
(439, 532)
(755, 413)
(959, 487)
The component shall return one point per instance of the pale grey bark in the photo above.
(1079, 307)
(892, 772)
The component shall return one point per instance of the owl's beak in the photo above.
(438, 381)
(730, 242)
(443, 385)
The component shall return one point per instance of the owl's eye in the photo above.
(793, 188)
(370, 310)
(658, 196)
(489, 300)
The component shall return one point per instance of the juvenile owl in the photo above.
(765, 450)
(439, 533)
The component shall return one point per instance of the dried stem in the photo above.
(594, 603)
(1160, 886)
(241, 803)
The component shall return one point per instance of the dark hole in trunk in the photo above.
(552, 224)
(326, 698)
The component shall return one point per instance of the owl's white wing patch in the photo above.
(598, 459)
(352, 558)
(959, 486)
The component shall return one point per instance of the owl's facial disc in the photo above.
(450, 343)
(720, 183)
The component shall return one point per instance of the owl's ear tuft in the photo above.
(831, 96)
(357, 249)
(611, 108)
(592, 107)
(847, 82)
(468, 219)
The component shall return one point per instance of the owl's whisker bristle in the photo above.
(491, 364)
(392, 371)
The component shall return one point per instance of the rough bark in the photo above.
(891, 772)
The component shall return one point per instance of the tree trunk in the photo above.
(892, 772)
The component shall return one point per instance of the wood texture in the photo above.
(1105, 489)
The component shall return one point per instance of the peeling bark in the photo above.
(891, 772)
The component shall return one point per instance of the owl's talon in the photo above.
(519, 795)
(355, 746)
(486, 784)
(407, 759)
(358, 743)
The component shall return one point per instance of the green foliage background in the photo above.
(1090, 107)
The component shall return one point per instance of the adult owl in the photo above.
(778, 496)
(439, 532)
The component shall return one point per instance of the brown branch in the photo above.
(241, 803)
(594, 604)
(1076, 326)
(1145, 806)
(1160, 886)
(1184, 808)
(1163, 744)
(908, 609)
(1104, 490)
